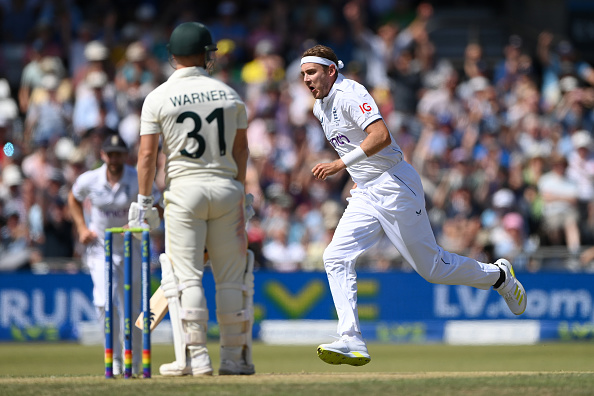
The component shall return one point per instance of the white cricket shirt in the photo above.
(199, 117)
(344, 114)
(109, 205)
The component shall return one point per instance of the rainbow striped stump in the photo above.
(146, 363)
(145, 293)
(108, 307)
(146, 305)
(108, 363)
(128, 305)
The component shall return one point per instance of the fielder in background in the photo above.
(203, 124)
(387, 198)
(111, 189)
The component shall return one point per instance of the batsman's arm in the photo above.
(147, 163)
(240, 154)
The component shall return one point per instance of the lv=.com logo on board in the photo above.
(365, 107)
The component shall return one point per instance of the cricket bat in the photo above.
(158, 307)
(158, 310)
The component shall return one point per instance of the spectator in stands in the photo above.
(9, 111)
(377, 51)
(502, 202)
(558, 64)
(560, 196)
(532, 137)
(15, 246)
(587, 259)
(459, 176)
(40, 164)
(12, 197)
(97, 59)
(129, 125)
(31, 75)
(442, 102)
(14, 252)
(510, 241)
(524, 100)
(52, 65)
(32, 201)
(506, 69)
(266, 67)
(581, 171)
(474, 64)
(97, 109)
(405, 83)
(573, 111)
(49, 119)
(58, 241)
(320, 223)
(282, 255)
(135, 78)
(535, 166)
(83, 34)
(462, 222)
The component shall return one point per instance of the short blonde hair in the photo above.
(323, 52)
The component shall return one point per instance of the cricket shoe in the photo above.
(198, 365)
(118, 367)
(346, 350)
(230, 367)
(512, 290)
(234, 362)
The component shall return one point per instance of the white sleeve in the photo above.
(242, 120)
(149, 120)
(361, 109)
(80, 188)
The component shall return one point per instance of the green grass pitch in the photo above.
(543, 369)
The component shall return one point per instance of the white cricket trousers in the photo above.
(201, 212)
(393, 204)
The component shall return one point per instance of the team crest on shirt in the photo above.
(335, 118)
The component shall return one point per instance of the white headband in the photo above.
(321, 61)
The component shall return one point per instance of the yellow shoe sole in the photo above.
(332, 357)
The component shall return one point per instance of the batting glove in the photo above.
(142, 213)
(152, 218)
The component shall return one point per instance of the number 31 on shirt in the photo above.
(215, 115)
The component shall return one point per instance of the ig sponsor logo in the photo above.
(365, 107)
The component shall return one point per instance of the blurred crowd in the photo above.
(504, 147)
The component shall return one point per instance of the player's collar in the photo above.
(188, 72)
(339, 80)
(103, 174)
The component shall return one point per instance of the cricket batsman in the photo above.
(202, 122)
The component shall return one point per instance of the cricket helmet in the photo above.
(191, 38)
